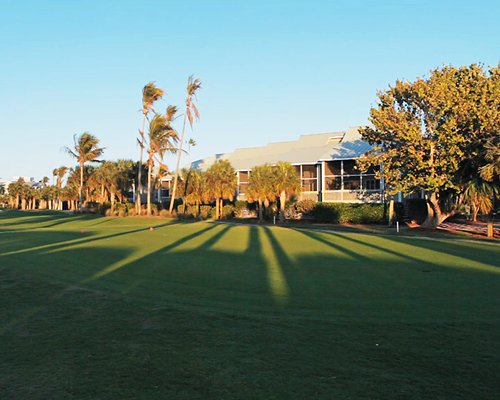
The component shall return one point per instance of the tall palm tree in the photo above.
(150, 94)
(161, 138)
(86, 149)
(190, 114)
(261, 187)
(221, 183)
(286, 183)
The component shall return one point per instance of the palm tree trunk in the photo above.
(139, 172)
(261, 211)
(176, 176)
(80, 188)
(149, 183)
(282, 206)
(216, 208)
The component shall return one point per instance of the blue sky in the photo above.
(271, 70)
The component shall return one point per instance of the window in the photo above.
(370, 183)
(309, 178)
(352, 182)
(333, 183)
(243, 178)
(333, 168)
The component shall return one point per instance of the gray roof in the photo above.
(308, 149)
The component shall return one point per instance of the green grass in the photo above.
(198, 310)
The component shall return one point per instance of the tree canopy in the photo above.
(433, 134)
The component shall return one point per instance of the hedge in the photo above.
(349, 213)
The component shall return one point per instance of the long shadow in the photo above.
(316, 236)
(404, 256)
(73, 242)
(213, 239)
(489, 255)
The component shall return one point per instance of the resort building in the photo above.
(326, 163)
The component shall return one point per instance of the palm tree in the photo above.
(261, 187)
(59, 172)
(286, 183)
(86, 149)
(478, 194)
(191, 113)
(221, 183)
(150, 94)
(161, 138)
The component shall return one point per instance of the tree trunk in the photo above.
(112, 199)
(435, 216)
(176, 176)
(80, 188)
(217, 208)
(149, 184)
(139, 173)
(282, 206)
(391, 212)
(261, 212)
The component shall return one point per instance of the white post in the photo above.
(397, 226)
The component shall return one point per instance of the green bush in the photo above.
(239, 208)
(165, 214)
(193, 211)
(305, 207)
(347, 213)
(227, 212)
(180, 209)
(206, 212)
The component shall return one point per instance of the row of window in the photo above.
(339, 175)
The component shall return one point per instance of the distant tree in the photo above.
(221, 183)
(431, 134)
(261, 187)
(150, 94)
(191, 113)
(286, 182)
(86, 149)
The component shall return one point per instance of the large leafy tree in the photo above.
(286, 183)
(161, 138)
(86, 149)
(431, 134)
(261, 187)
(150, 94)
(191, 113)
(221, 183)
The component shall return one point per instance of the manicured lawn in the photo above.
(100, 308)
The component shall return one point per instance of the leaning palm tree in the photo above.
(86, 149)
(161, 138)
(190, 114)
(150, 94)
(286, 183)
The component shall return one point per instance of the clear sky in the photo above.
(271, 70)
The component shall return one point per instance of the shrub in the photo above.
(326, 212)
(305, 206)
(131, 212)
(180, 209)
(227, 211)
(206, 212)
(345, 213)
(192, 210)
(165, 214)
(240, 208)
